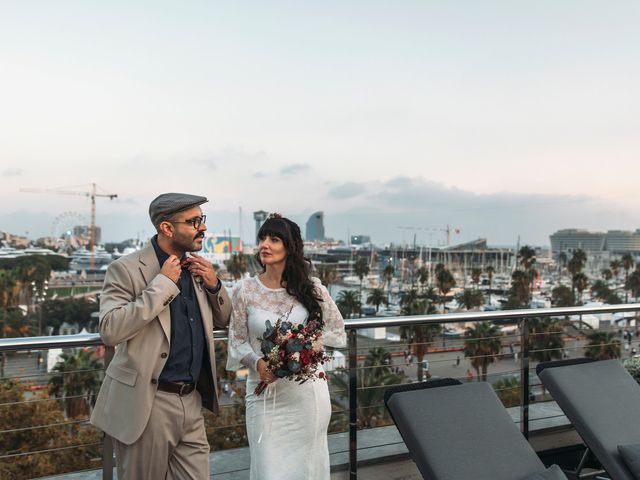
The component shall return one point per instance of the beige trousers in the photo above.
(173, 445)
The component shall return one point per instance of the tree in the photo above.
(348, 303)
(545, 339)
(52, 436)
(632, 283)
(602, 346)
(627, 264)
(526, 257)
(327, 274)
(519, 294)
(562, 296)
(77, 380)
(615, 265)
(580, 282)
(423, 276)
(490, 271)
(377, 297)
(508, 391)
(237, 265)
(606, 273)
(9, 291)
(371, 383)
(70, 310)
(388, 276)
(361, 269)
(470, 299)
(445, 282)
(482, 345)
(475, 276)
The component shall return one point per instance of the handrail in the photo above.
(93, 339)
(352, 325)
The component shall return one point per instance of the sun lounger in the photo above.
(460, 431)
(602, 401)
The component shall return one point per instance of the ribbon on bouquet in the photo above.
(264, 410)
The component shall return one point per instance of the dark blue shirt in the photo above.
(187, 348)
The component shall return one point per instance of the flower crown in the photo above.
(274, 215)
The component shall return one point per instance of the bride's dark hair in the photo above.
(296, 276)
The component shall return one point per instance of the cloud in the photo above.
(12, 172)
(347, 190)
(294, 169)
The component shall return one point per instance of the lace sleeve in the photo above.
(333, 333)
(240, 353)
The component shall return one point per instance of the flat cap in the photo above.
(165, 205)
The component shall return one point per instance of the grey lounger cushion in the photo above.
(462, 432)
(631, 457)
(554, 472)
(602, 401)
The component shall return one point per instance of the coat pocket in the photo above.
(125, 375)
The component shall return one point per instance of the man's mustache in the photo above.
(199, 235)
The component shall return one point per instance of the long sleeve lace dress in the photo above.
(287, 424)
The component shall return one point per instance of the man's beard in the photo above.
(189, 244)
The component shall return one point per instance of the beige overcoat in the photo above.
(135, 317)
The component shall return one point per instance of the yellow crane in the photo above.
(92, 194)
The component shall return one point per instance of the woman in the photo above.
(287, 423)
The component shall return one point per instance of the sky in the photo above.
(502, 119)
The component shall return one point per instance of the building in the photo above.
(260, 216)
(360, 239)
(218, 247)
(315, 226)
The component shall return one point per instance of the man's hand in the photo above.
(201, 267)
(171, 268)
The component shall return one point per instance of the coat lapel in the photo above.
(149, 268)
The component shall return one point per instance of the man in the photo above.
(159, 307)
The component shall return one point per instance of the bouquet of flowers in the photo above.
(292, 351)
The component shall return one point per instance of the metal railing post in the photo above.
(107, 442)
(524, 377)
(353, 405)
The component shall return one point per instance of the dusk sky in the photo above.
(499, 118)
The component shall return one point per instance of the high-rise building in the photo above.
(260, 216)
(315, 226)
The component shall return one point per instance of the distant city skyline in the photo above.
(497, 118)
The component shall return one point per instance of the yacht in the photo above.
(81, 259)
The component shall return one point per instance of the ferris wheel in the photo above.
(63, 225)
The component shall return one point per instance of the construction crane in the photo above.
(92, 194)
(449, 230)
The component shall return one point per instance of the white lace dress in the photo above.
(286, 424)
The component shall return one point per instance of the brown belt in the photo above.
(181, 389)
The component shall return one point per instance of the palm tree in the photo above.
(482, 344)
(562, 296)
(372, 382)
(627, 264)
(418, 337)
(490, 271)
(327, 274)
(377, 297)
(527, 257)
(602, 346)
(237, 265)
(423, 276)
(519, 294)
(475, 276)
(615, 265)
(580, 283)
(361, 269)
(77, 380)
(445, 282)
(633, 283)
(388, 276)
(349, 303)
(470, 299)
(606, 273)
(545, 339)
